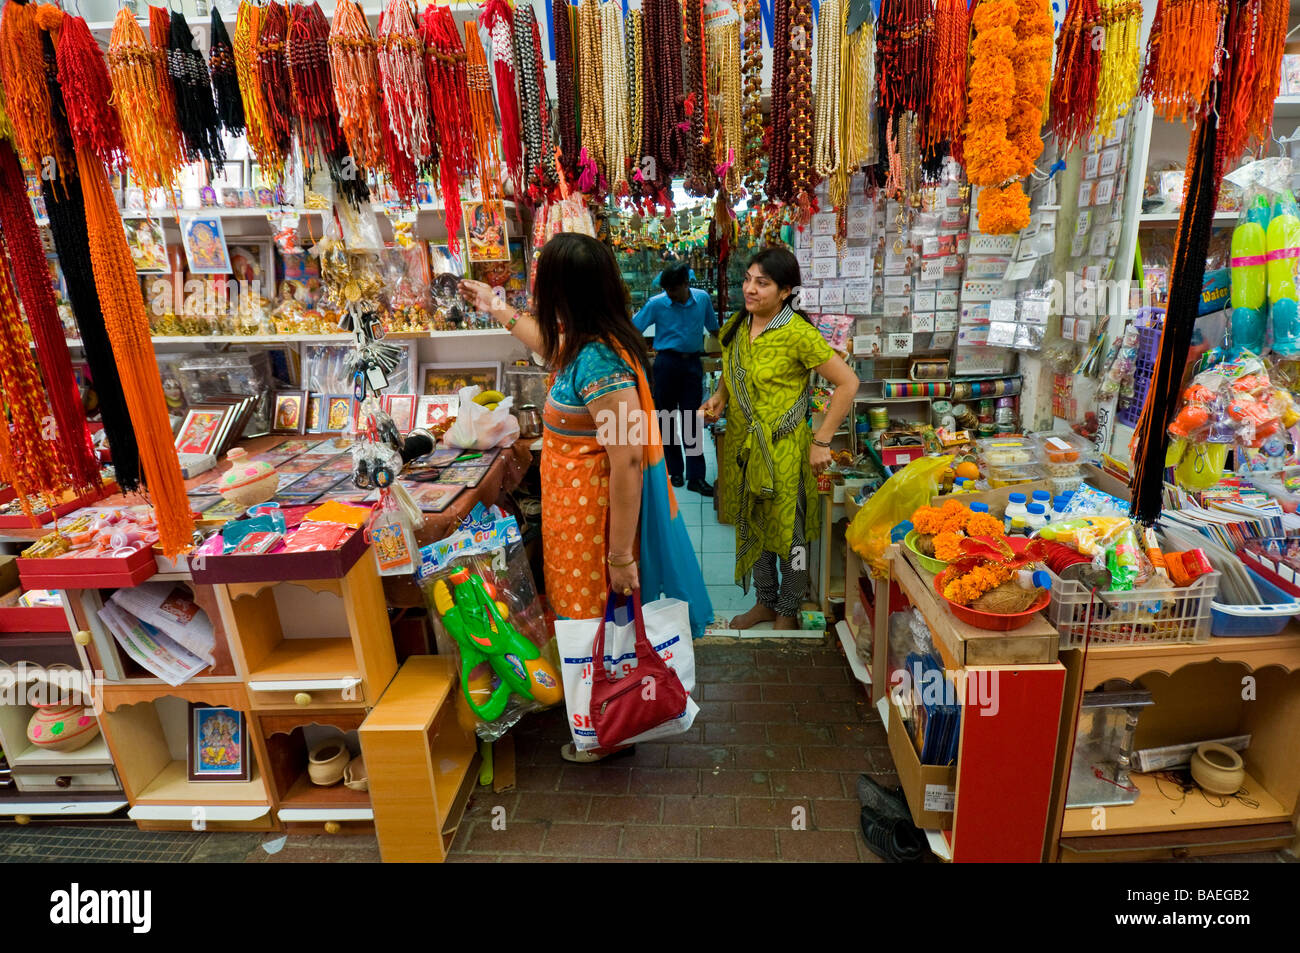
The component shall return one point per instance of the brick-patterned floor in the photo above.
(768, 772)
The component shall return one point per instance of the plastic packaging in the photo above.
(1036, 518)
(902, 494)
(1283, 251)
(1249, 277)
(1089, 501)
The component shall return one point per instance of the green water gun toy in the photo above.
(478, 623)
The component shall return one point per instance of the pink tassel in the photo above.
(722, 170)
(587, 179)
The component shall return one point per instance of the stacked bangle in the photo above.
(820, 443)
(610, 560)
(514, 319)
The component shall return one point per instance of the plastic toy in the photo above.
(476, 619)
(1249, 278)
(1283, 249)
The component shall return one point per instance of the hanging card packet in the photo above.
(392, 533)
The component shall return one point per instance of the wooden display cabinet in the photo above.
(1226, 686)
(323, 643)
(422, 756)
(147, 731)
(300, 805)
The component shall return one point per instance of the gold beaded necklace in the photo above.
(614, 79)
(723, 46)
(826, 129)
(589, 68)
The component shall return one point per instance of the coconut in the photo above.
(1007, 599)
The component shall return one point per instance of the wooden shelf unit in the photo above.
(422, 756)
(301, 805)
(1197, 690)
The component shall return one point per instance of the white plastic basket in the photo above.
(1165, 614)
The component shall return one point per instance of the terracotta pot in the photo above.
(327, 761)
(62, 727)
(1218, 769)
(354, 775)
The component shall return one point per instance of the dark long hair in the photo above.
(779, 264)
(580, 298)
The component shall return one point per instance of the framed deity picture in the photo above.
(148, 245)
(217, 745)
(486, 237)
(434, 409)
(205, 245)
(201, 430)
(401, 407)
(290, 412)
(450, 378)
(338, 412)
(315, 412)
(252, 263)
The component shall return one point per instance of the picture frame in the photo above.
(487, 236)
(338, 413)
(202, 429)
(217, 744)
(433, 409)
(315, 413)
(252, 266)
(439, 378)
(289, 415)
(204, 241)
(148, 245)
(401, 407)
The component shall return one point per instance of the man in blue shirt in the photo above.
(680, 315)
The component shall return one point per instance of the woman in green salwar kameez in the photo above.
(772, 456)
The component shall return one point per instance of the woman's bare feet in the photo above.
(760, 613)
(786, 622)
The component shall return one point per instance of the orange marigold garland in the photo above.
(91, 119)
(1031, 59)
(947, 546)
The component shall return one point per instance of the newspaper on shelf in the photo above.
(169, 608)
(150, 647)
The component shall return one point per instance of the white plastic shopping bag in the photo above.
(668, 626)
(477, 428)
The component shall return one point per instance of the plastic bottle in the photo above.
(1033, 579)
(1015, 508)
(1018, 526)
(1036, 517)
(978, 507)
(1059, 504)
(1249, 277)
(1043, 497)
(1283, 298)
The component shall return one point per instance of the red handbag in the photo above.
(648, 696)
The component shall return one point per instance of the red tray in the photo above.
(33, 619)
(277, 567)
(88, 572)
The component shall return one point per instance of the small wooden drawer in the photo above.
(75, 779)
(268, 695)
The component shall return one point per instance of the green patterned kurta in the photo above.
(766, 463)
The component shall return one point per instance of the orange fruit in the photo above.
(967, 471)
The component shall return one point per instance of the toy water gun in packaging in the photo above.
(1249, 278)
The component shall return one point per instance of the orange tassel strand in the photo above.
(248, 26)
(26, 96)
(153, 148)
(354, 63)
(1181, 52)
(482, 115)
(160, 30)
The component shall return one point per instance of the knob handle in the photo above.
(22, 819)
(63, 781)
(302, 698)
(82, 637)
(333, 827)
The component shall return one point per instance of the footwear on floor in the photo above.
(570, 753)
(891, 839)
(887, 802)
(700, 486)
(677, 481)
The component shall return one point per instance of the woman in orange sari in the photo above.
(609, 517)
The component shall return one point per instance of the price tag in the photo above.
(940, 797)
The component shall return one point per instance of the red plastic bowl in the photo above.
(995, 621)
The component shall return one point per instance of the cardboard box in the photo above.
(281, 567)
(89, 572)
(921, 782)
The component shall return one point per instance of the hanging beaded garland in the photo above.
(406, 90)
(153, 147)
(778, 185)
(22, 245)
(84, 79)
(1181, 53)
(726, 132)
(946, 115)
(592, 121)
(225, 81)
(444, 67)
(273, 83)
(354, 67)
(635, 51)
(566, 107)
(499, 20)
(701, 175)
(615, 105)
(903, 55)
(826, 134)
(539, 158)
(1120, 59)
(803, 177)
(663, 129)
(752, 154)
(857, 113)
(196, 110)
(482, 115)
(1078, 66)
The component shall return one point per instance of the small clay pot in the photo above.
(1218, 769)
(354, 775)
(326, 763)
(248, 482)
